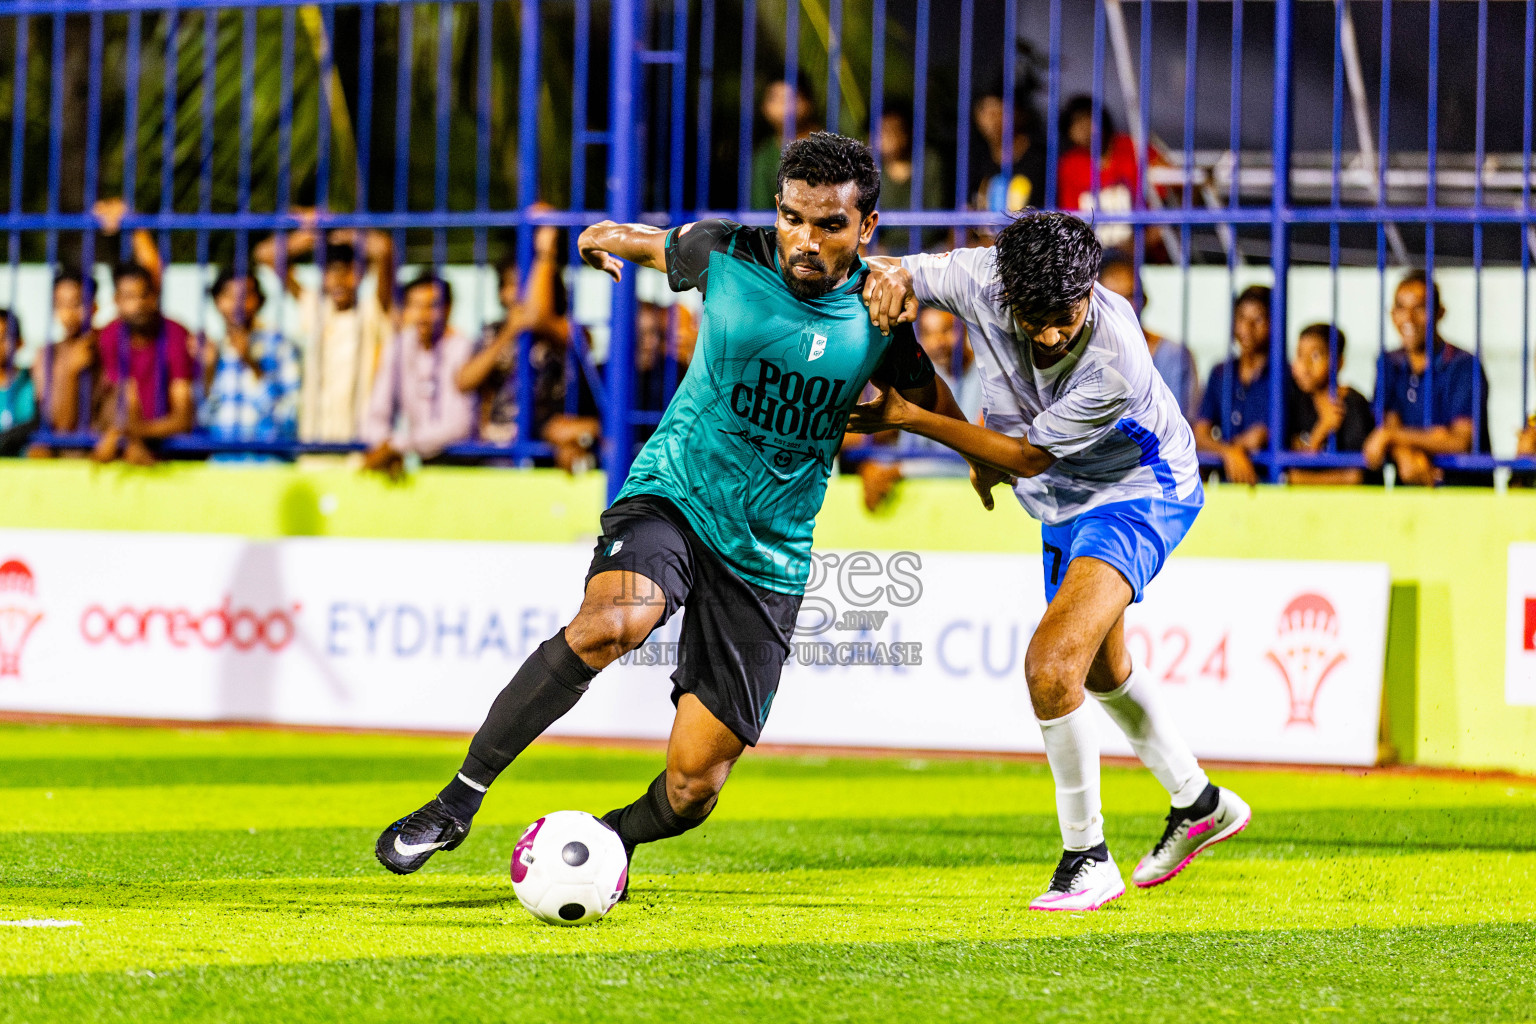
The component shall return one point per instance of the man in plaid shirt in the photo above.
(253, 383)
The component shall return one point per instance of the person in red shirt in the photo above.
(146, 362)
(1119, 177)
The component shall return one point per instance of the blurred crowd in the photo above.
(1420, 411)
(375, 361)
(369, 359)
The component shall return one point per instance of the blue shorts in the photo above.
(1136, 537)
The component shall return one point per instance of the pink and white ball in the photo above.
(569, 868)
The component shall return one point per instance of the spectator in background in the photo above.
(68, 370)
(1234, 415)
(416, 405)
(1119, 176)
(492, 373)
(777, 99)
(896, 175)
(656, 375)
(146, 361)
(109, 213)
(1418, 425)
(575, 437)
(18, 394)
(1318, 413)
(1025, 185)
(940, 335)
(253, 385)
(1173, 361)
(344, 327)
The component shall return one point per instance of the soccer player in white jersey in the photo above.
(1094, 443)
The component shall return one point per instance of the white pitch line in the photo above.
(39, 922)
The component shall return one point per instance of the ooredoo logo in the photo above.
(19, 613)
(243, 629)
(1306, 651)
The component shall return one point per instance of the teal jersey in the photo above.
(748, 441)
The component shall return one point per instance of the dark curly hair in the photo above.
(826, 158)
(1047, 263)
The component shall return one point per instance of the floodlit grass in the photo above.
(229, 875)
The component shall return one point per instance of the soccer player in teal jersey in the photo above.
(720, 504)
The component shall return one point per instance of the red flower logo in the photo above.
(1306, 652)
(18, 613)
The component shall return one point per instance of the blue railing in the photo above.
(444, 124)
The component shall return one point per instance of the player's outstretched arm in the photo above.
(606, 244)
(891, 411)
(936, 397)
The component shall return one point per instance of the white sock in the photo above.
(1072, 750)
(1136, 709)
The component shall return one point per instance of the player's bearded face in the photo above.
(824, 276)
(819, 231)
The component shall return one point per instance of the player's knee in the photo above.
(692, 793)
(1051, 676)
(600, 634)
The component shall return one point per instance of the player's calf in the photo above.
(655, 816)
(677, 801)
(700, 755)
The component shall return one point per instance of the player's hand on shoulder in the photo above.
(888, 293)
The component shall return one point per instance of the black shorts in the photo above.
(735, 635)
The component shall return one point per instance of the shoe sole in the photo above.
(1222, 836)
(1082, 910)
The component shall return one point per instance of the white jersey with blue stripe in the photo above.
(1102, 410)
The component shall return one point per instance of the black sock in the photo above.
(650, 818)
(548, 685)
(461, 797)
(1099, 852)
(1204, 804)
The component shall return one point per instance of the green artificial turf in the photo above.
(229, 875)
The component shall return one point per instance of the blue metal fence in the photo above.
(216, 121)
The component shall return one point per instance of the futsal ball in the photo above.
(569, 868)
